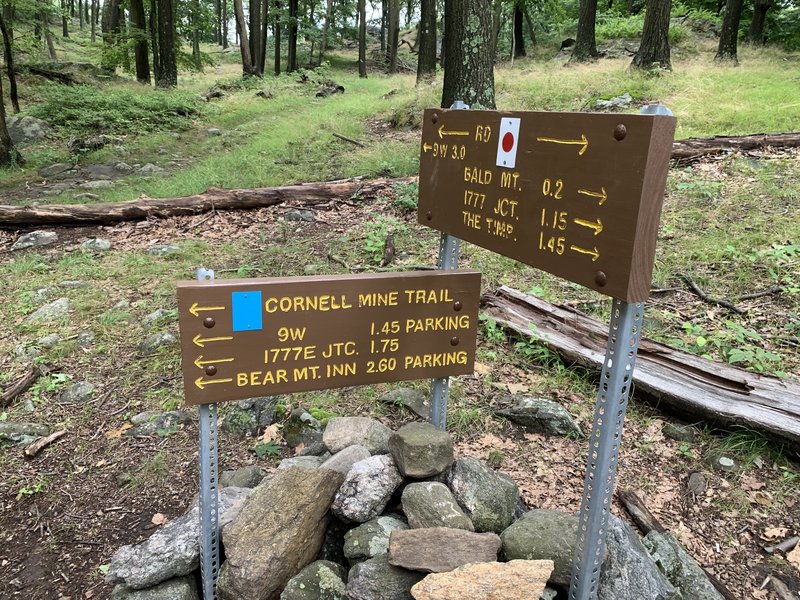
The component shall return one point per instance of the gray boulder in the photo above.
(96, 245)
(250, 417)
(302, 428)
(344, 460)
(22, 433)
(489, 498)
(25, 130)
(307, 462)
(421, 450)
(371, 538)
(244, 477)
(376, 579)
(150, 422)
(35, 239)
(150, 169)
(55, 169)
(96, 184)
(431, 504)
(163, 249)
(77, 392)
(54, 311)
(173, 550)
(152, 343)
(615, 103)
(414, 400)
(278, 532)
(680, 569)
(544, 535)
(321, 580)
(160, 314)
(181, 588)
(539, 415)
(342, 432)
(366, 489)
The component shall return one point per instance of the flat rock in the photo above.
(160, 314)
(431, 504)
(539, 415)
(277, 533)
(414, 400)
(366, 489)
(181, 588)
(163, 249)
(514, 580)
(251, 416)
(680, 433)
(376, 579)
(77, 392)
(149, 423)
(371, 539)
(421, 450)
(243, 477)
(54, 169)
(307, 462)
(440, 549)
(302, 428)
(342, 432)
(53, 311)
(152, 343)
(300, 214)
(35, 239)
(96, 245)
(22, 433)
(680, 569)
(85, 339)
(173, 550)
(97, 184)
(150, 169)
(86, 197)
(344, 460)
(321, 580)
(48, 341)
(489, 498)
(544, 534)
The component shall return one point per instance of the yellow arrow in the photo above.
(196, 308)
(426, 147)
(596, 225)
(583, 142)
(199, 362)
(200, 341)
(201, 383)
(594, 253)
(443, 133)
(601, 195)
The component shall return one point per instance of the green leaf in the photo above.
(701, 341)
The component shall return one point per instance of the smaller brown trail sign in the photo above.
(578, 195)
(242, 338)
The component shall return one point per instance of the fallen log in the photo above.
(213, 199)
(694, 148)
(684, 384)
(22, 384)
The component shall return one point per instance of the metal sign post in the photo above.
(209, 485)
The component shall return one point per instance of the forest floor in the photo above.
(64, 512)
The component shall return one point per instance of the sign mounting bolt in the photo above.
(457, 306)
(435, 118)
(600, 278)
(454, 341)
(429, 215)
(211, 370)
(209, 322)
(620, 131)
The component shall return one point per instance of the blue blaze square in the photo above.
(246, 308)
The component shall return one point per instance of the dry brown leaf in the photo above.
(482, 369)
(761, 498)
(775, 533)
(794, 558)
(159, 519)
(751, 483)
(115, 434)
(517, 388)
(271, 434)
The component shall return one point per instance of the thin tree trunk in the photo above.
(9, 56)
(225, 24)
(469, 56)
(48, 36)
(291, 58)
(154, 39)
(244, 42)
(195, 16)
(255, 35)
(139, 30)
(497, 20)
(654, 50)
(95, 4)
(426, 59)
(729, 35)
(64, 22)
(519, 39)
(585, 45)
(755, 33)
(384, 12)
(166, 45)
(362, 38)
(276, 37)
(326, 28)
(80, 14)
(393, 33)
(262, 61)
(532, 31)
(8, 154)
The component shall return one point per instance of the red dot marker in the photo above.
(508, 141)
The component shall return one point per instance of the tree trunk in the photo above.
(291, 57)
(497, 21)
(64, 22)
(469, 56)
(686, 384)
(195, 22)
(326, 27)
(168, 77)
(532, 31)
(139, 31)
(276, 37)
(9, 56)
(393, 34)
(8, 154)
(654, 50)
(426, 59)
(262, 54)
(245, 46)
(225, 24)
(729, 35)
(384, 12)
(255, 35)
(755, 34)
(80, 14)
(585, 48)
(362, 38)
(153, 22)
(519, 38)
(48, 36)
(95, 5)
(409, 11)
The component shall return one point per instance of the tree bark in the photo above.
(139, 31)
(684, 383)
(64, 22)
(224, 24)
(168, 76)
(95, 5)
(262, 54)
(244, 41)
(426, 59)
(8, 154)
(80, 14)
(585, 48)
(729, 35)
(755, 34)
(469, 55)
(255, 19)
(519, 38)
(48, 35)
(276, 36)
(291, 57)
(532, 31)
(362, 39)
(213, 199)
(326, 28)
(154, 39)
(9, 56)
(654, 48)
(393, 34)
(195, 23)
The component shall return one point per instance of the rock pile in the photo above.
(391, 516)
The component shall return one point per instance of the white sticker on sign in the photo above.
(507, 142)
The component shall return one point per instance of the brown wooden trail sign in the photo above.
(243, 338)
(578, 195)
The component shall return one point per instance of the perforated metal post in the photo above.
(209, 484)
(601, 466)
(449, 250)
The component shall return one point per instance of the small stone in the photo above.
(680, 433)
(726, 464)
(77, 393)
(53, 170)
(98, 184)
(414, 400)
(181, 588)
(376, 579)
(150, 169)
(244, 477)
(44, 294)
(539, 415)
(154, 342)
(344, 460)
(543, 534)
(489, 498)
(299, 214)
(162, 314)
(163, 249)
(151, 422)
(22, 433)
(697, 484)
(24, 351)
(85, 339)
(371, 539)
(55, 310)
(440, 549)
(421, 450)
(86, 196)
(48, 341)
(35, 239)
(307, 462)
(431, 504)
(96, 245)
(123, 167)
(342, 432)
(366, 489)
(321, 580)
(213, 131)
(250, 417)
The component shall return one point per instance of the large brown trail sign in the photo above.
(244, 338)
(578, 195)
